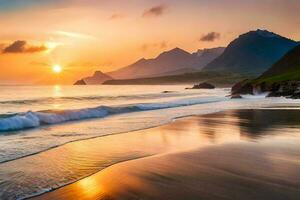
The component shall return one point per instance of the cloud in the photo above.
(2, 45)
(155, 11)
(15, 47)
(20, 46)
(159, 45)
(210, 37)
(35, 49)
(74, 35)
(116, 16)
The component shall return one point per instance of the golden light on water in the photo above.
(57, 69)
(57, 92)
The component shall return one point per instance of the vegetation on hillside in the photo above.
(217, 78)
(286, 69)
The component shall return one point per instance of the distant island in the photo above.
(97, 79)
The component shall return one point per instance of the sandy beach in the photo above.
(241, 154)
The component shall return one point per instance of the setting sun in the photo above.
(57, 69)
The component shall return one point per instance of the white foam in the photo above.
(36, 119)
(256, 96)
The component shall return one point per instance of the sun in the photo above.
(57, 69)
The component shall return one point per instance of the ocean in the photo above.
(34, 119)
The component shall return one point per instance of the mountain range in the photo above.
(175, 61)
(252, 53)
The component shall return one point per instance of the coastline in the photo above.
(76, 160)
(237, 155)
(40, 139)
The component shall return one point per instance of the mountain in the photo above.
(170, 62)
(282, 79)
(97, 79)
(252, 53)
(205, 56)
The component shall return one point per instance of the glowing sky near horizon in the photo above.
(87, 35)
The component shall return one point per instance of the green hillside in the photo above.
(286, 69)
(282, 79)
(217, 78)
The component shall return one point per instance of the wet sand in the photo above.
(242, 154)
(59, 166)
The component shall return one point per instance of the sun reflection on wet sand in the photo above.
(89, 187)
(238, 154)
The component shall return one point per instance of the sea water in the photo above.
(34, 119)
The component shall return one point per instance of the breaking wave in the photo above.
(20, 121)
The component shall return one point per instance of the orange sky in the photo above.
(84, 36)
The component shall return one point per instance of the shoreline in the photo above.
(58, 155)
(72, 189)
(39, 136)
(177, 112)
(140, 184)
(112, 134)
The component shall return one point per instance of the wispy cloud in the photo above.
(43, 64)
(75, 35)
(210, 37)
(159, 45)
(116, 16)
(155, 11)
(21, 46)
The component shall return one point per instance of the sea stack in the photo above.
(80, 82)
(97, 79)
